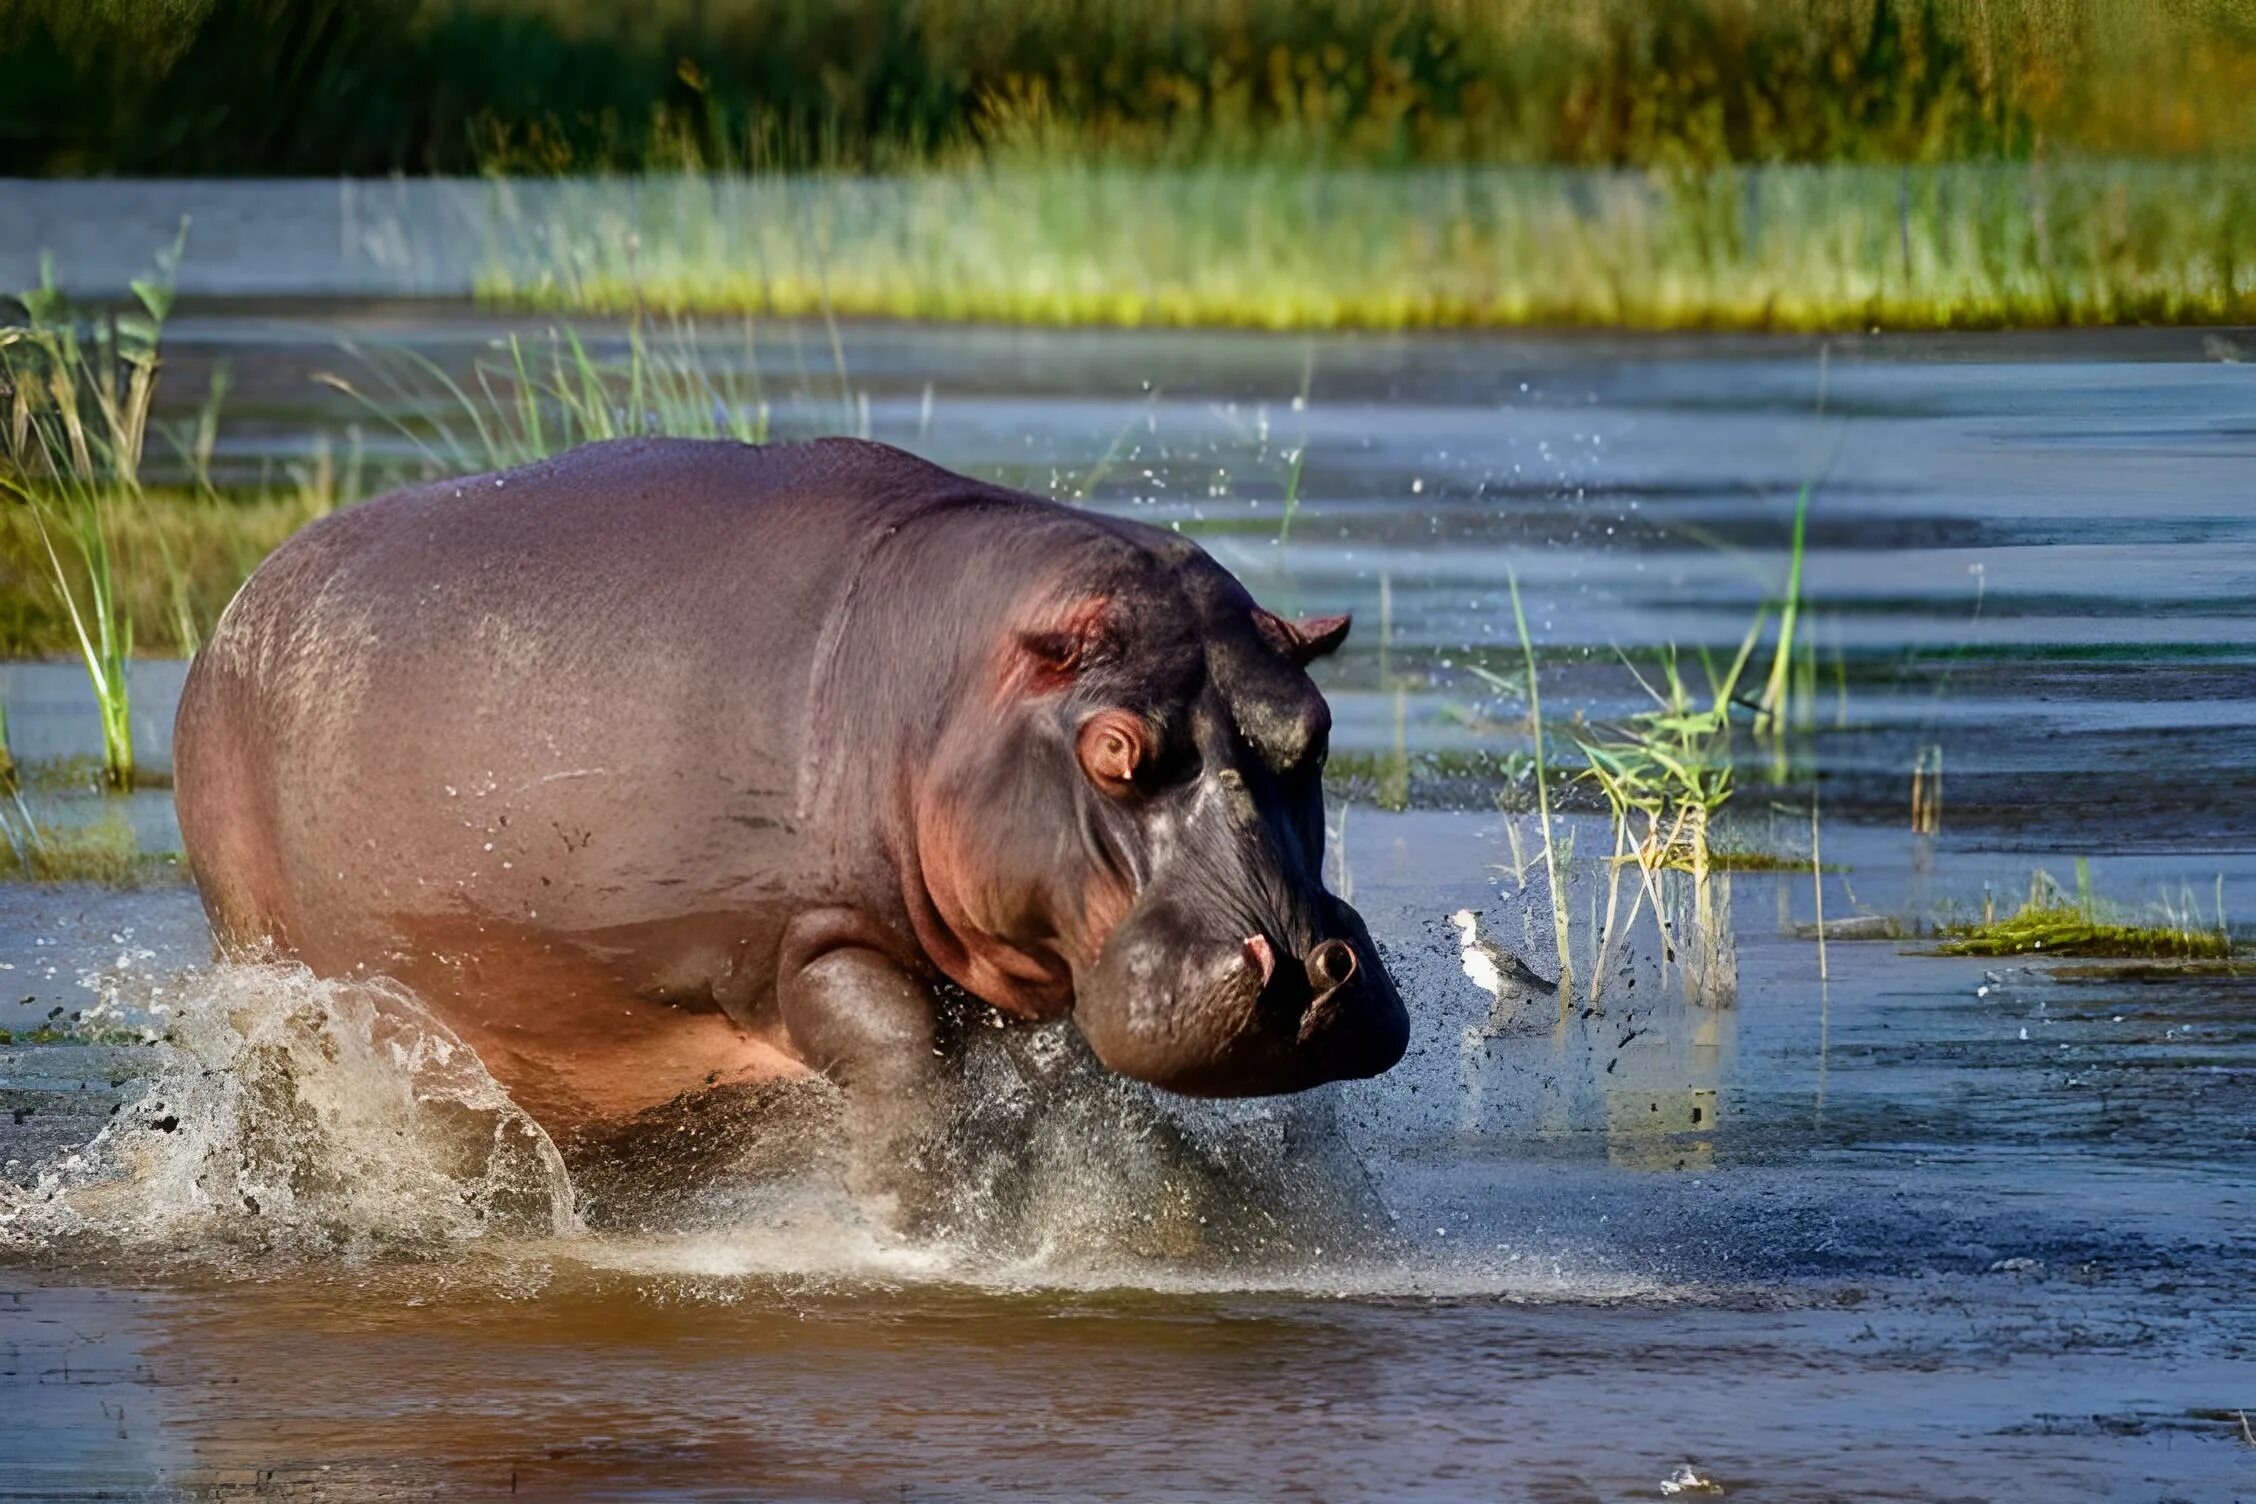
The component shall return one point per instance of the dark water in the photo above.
(1924, 1229)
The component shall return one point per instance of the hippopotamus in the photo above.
(667, 764)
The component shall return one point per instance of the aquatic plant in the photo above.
(78, 393)
(1553, 859)
(1665, 773)
(2054, 922)
(10, 779)
(1771, 711)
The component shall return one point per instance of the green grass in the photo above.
(1982, 245)
(77, 392)
(103, 851)
(2054, 922)
(177, 560)
(2067, 930)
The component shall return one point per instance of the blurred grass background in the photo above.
(320, 87)
(1802, 164)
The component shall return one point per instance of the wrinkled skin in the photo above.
(666, 764)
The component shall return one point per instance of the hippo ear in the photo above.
(1305, 640)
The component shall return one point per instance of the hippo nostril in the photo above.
(1331, 964)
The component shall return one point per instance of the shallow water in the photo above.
(1929, 1228)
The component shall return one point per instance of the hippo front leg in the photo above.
(856, 1015)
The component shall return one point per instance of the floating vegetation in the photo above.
(2057, 923)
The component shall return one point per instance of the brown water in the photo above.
(1924, 1229)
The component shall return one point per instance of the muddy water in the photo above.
(1925, 1228)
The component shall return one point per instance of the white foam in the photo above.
(295, 1117)
(292, 1112)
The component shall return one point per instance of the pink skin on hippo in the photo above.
(666, 763)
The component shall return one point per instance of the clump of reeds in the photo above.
(2055, 922)
(1665, 773)
(76, 391)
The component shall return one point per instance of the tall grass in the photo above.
(77, 391)
(522, 403)
(1665, 774)
(177, 560)
(1968, 245)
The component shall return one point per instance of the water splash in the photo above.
(339, 1123)
(291, 1113)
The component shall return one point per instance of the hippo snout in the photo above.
(1238, 1020)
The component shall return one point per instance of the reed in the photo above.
(1772, 710)
(1552, 863)
(1665, 773)
(78, 391)
(1927, 790)
(523, 403)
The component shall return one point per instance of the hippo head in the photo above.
(1132, 825)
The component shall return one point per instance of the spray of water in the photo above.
(289, 1117)
(289, 1113)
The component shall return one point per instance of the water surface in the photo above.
(1923, 1228)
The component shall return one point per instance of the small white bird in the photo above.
(1495, 970)
(1514, 989)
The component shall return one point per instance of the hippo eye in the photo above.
(1111, 746)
